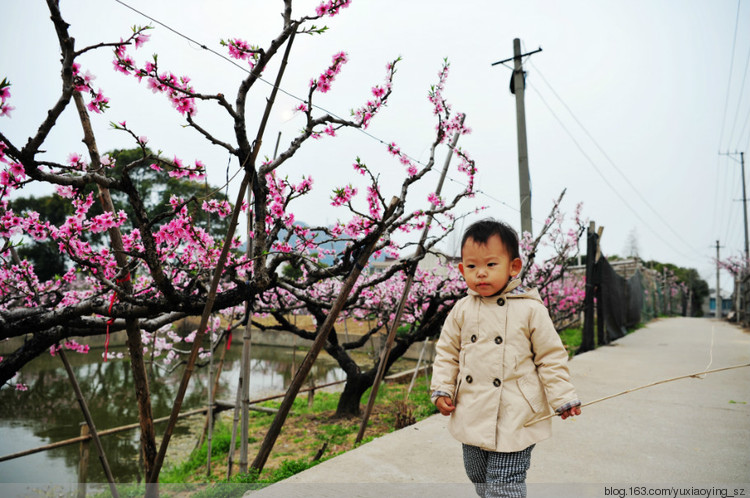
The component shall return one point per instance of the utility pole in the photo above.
(517, 87)
(744, 204)
(718, 294)
(739, 279)
(524, 183)
(744, 197)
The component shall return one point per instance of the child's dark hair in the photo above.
(481, 231)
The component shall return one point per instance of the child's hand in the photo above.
(570, 412)
(445, 405)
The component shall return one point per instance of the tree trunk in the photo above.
(357, 382)
(355, 387)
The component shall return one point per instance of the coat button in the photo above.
(498, 340)
(496, 382)
(473, 338)
(500, 301)
(469, 379)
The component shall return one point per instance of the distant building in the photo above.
(433, 260)
(709, 309)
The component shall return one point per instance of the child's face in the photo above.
(487, 267)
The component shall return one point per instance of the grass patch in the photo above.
(310, 435)
(571, 339)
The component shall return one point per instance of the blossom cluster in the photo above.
(562, 292)
(164, 343)
(411, 168)
(331, 7)
(5, 108)
(736, 265)
(343, 195)
(70, 346)
(364, 114)
(441, 284)
(280, 193)
(178, 169)
(82, 84)
(323, 83)
(241, 50)
(177, 89)
(222, 208)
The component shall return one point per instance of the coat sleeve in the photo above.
(447, 352)
(551, 359)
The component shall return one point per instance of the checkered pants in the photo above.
(496, 474)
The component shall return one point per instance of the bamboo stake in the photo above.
(212, 401)
(90, 422)
(210, 414)
(416, 369)
(547, 417)
(83, 462)
(235, 423)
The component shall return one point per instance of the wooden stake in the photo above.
(643, 387)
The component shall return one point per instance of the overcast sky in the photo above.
(628, 105)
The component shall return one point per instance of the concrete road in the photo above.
(689, 437)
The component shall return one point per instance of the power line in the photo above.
(609, 159)
(740, 137)
(596, 168)
(739, 99)
(731, 67)
(728, 193)
(716, 188)
(733, 219)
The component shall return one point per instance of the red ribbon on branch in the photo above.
(109, 312)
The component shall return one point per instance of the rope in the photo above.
(643, 387)
(711, 349)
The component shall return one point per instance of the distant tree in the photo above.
(157, 189)
(689, 280)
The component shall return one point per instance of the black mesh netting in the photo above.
(622, 300)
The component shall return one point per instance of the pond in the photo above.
(48, 411)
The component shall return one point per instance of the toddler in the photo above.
(499, 364)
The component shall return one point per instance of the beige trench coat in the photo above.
(503, 364)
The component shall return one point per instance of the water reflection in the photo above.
(48, 412)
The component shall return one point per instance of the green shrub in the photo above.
(572, 339)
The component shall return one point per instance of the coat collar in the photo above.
(514, 289)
